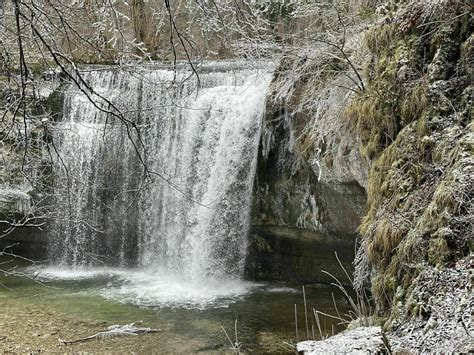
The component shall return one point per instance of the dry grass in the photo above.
(387, 236)
(379, 38)
(438, 251)
(375, 124)
(419, 185)
(414, 103)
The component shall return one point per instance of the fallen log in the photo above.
(114, 331)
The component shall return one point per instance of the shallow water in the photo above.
(191, 315)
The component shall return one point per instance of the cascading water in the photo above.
(189, 217)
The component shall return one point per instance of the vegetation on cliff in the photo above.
(411, 117)
(414, 123)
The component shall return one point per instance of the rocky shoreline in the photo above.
(442, 323)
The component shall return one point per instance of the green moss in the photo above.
(384, 288)
(415, 135)
(386, 106)
(423, 130)
(375, 124)
(467, 53)
(471, 245)
(366, 13)
(438, 251)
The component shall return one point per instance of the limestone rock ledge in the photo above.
(362, 340)
(16, 205)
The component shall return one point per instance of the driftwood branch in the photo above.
(114, 331)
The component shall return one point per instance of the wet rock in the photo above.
(311, 177)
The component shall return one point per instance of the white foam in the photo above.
(282, 290)
(57, 273)
(142, 288)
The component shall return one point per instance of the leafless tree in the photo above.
(44, 44)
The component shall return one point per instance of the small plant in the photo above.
(234, 346)
(361, 311)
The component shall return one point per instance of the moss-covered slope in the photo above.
(414, 122)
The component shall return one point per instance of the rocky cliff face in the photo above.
(414, 122)
(309, 193)
(25, 169)
(397, 152)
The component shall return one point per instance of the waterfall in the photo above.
(189, 215)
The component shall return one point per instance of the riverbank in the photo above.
(442, 308)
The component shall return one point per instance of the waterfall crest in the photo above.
(190, 217)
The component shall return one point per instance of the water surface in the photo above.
(190, 315)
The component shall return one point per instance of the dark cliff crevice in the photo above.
(308, 199)
(26, 167)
